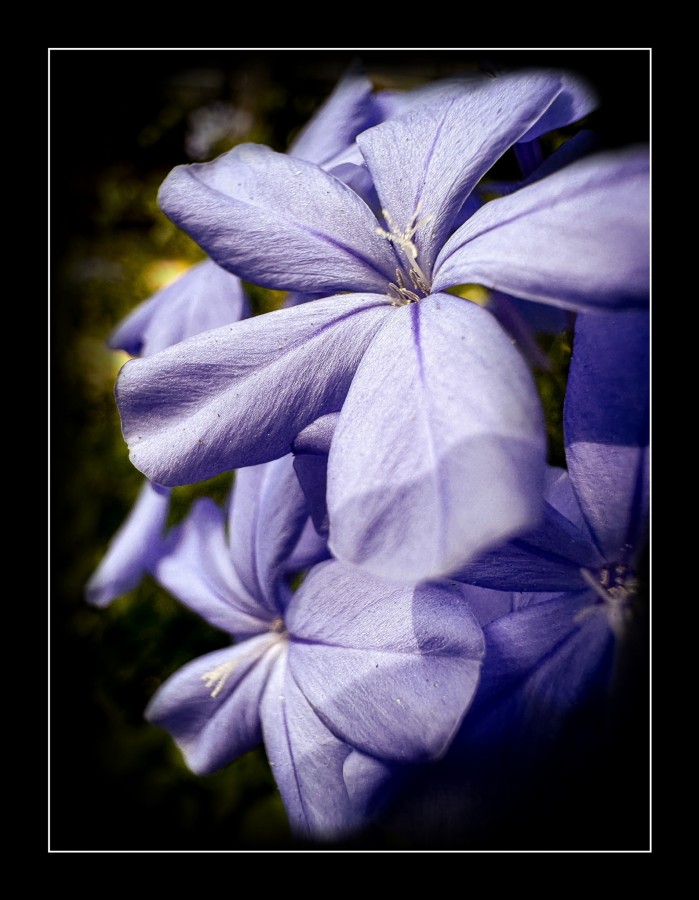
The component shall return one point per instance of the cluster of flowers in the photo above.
(402, 573)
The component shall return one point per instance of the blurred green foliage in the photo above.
(120, 120)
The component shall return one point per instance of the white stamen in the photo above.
(596, 585)
(404, 241)
(617, 597)
(217, 677)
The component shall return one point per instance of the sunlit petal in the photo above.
(439, 451)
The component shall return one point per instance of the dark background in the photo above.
(118, 124)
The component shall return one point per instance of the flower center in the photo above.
(399, 292)
(616, 586)
(278, 625)
(216, 678)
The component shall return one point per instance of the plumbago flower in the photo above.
(440, 449)
(595, 525)
(591, 548)
(206, 297)
(339, 679)
(565, 661)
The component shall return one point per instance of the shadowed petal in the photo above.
(199, 572)
(541, 665)
(311, 548)
(548, 558)
(203, 298)
(267, 515)
(608, 392)
(390, 669)
(487, 604)
(613, 485)
(576, 100)
(369, 782)
(134, 550)
(606, 424)
(578, 146)
(239, 395)
(357, 176)
(211, 706)
(576, 239)
(519, 643)
(311, 449)
(312, 473)
(279, 222)
(560, 494)
(439, 451)
(316, 437)
(428, 160)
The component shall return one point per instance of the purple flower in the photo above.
(339, 679)
(554, 738)
(439, 450)
(204, 297)
(596, 514)
(351, 108)
(134, 549)
(577, 576)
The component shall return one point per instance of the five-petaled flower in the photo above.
(203, 298)
(564, 615)
(411, 592)
(440, 448)
(340, 679)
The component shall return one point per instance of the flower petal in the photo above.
(198, 571)
(134, 550)
(486, 604)
(542, 664)
(369, 782)
(267, 515)
(522, 320)
(428, 160)
(312, 473)
(350, 109)
(606, 425)
(578, 146)
(439, 452)
(311, 548)
(549, 558)
(311, 449)
(239, 395)
(356, 175)
(619, 516)
(575, 101)
(307, 763)
(279, 221)
(578, 239)
(560, 494)
(316, 437)
(211, 706)
(389, 668)
(205, 297)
